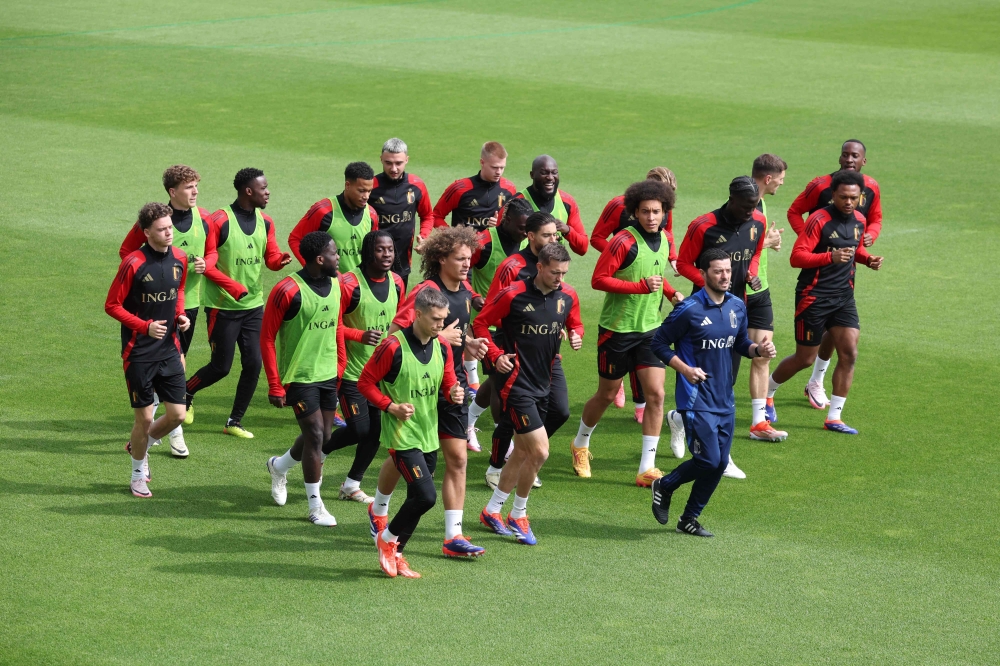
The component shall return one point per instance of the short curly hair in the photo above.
(152, 212)
(313, 244)
(178, 175)
(245, 176)
(442, 242)
(649, 190)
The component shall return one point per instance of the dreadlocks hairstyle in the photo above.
(245, 176)
(368, 245)
(152, 212)
(844, 177)
(442, 242)
(768, 165)
(649, 190)
(662, 174)
(358, 171)
(313, 244)
(177, 175)
(536, 220)
(517, 206)
(711, 254)
(743, 186)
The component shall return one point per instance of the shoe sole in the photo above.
(135, 494)
(813, 403)
(758, 438)
(334, 524)
(703, 536)
(840, 432)
(178, 454)
(733, 476)
(466, 556)
(244, 435)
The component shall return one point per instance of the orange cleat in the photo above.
(764, 432)
(386, 555)
(581, 460)
(645, 480)
(403, 567)
(620, 397)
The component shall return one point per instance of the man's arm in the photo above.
(491, 315)
(350, 297)
(754, 268)
(182, 257)
(874, 227)
(274, 258)
(577, 237)
(607, 224)
(670, 236)
(610, 261)
(278, 300)
(670, 332)
(802, 252)
(424, 211)
(447, 203)
(573, 320)
(405, 313)
(119, 291)
(506, 273)
(744, 345)
(387, 358)
(448, 380)
(691, 248)
(803, 203)
(311, 221)
(232, 287)
(133, 241)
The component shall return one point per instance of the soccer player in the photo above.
(632, 273)
(818, 194)
(398, 197)
(446, 256)
(181, 184)
(534, 314)
(371, 295)
(613, 219)
(826, 251)
(703, 331)
(241, 238)
(147, 297)
(738, 228)
(303, 372)
(476, 201)
(544, 195)
(404, 378)
(347, 217)
(495, 244)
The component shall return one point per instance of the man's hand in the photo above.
(276, 400)
(199, 265)
(418, 245)
(457, 394)
(476, 347)
(157, 329)
(452, 333)
(495, 220)
(505, 363)
(286, 259)
(673, 265)
(477, 303)
(677, 297)
(655, 283)
(765, 349)
(575, 340)
(402, 412)
(694, 375)
(875, 263)
(773, 238)
(843, 255)
(754, 282)
(868, 240)
(371, 337)
(183, 323)
(562, 228)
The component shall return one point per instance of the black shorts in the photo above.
(165, 377)
(621, 353)
(498, 339)
(526, 412)
(760, 314)
(305, 399)
(814, 315)
(453, 420)
(353, 405)
(186, 336)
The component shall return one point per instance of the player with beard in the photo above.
(544, 195)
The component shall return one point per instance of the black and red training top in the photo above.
(319, 217)
(819, 195)
(472, 202)
(620, 254)
(743, 241)
(388, 359)
(398, 204)
(826, 230)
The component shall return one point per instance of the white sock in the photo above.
(582, 440)
(493, 470)
(640, 405)
(758, 405)
(388, 536)
(819, 370)
(452, 523)
(150, 441)
(177, 432)
(312, 492)
(648, 459)
(285, 462)
(520, 509)
(156, 403)
(380, 507)
(474, 413)
(350, 484)
(137, 473)
(772, 386)
(836, 407)
(472, 371)
(495, 505)
(510, 450)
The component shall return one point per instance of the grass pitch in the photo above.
(876, 549)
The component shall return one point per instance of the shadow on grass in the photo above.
(9, 487)
(202, 502)
(335, 539)
(271, 570)
(93, 437)
(583, 529)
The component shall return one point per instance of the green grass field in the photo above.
(881, 548)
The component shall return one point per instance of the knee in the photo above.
(541, 454)
(806, 355)
(144, 421)
(251, 363)
(456, 462)
(313, 435)
(426, 497)
(362, 429)
(607, 395)
(847, 356)
(654, 394)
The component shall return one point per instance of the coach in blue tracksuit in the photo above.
(703, 331)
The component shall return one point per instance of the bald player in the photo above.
(544, 194)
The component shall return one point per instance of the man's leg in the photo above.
(711, 462)
(479, 405)
(763, 413)
(368, 443)
(177, 435)
(222, 333)
(416, 469)
(138, 461)
(593, 410)
(846, 342)
(651, 379)
(250, 360)
(638, 396)
(826, 347)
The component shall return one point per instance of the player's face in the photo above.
(394, 164)
(160, 234)
(546, 234)
(718, 275)
(329, 260)
(852, 157)
(545, 177)
(357, 192)
(491, 168)
(515, 226)
(846, 198)
(258, 192)
(741, 208)
(551, 275)
(455, 266)
(772, 183)
(385, 253)
(430, 323)
(185, 195)
(650, 215)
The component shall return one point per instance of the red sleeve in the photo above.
(183, 258)
(606, 224)
(577, 236)
(804, 203)
(120, 288)
(802, 252)
(874, 226)
(754, 268)
(448, 201)
(133, 241)
(348, 284)
(468, 285)
(274, 314)
(405, 314)
(377, 367)
(272, 253)
(670, 236)
(506, 273)
(309, 222)
(484, 240)
(341, 347)
(449, 379)
(573, 321)
(691, 247)
(668, 289)
(492, 314)
(374, 215)
(423, 207)
(401, 290)
(509, 186)
(861, 255)
(610, 261)
(232, 287)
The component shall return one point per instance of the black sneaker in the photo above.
(661, 503)
(693, 527)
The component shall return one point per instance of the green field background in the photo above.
(880, 548)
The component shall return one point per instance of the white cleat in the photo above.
(356, 495)
(537, 483)
(178, 448)
(322, 517)
(279, 481)
(678, 443)
(817, 395)
(140, 489)
(472, 442)
(734, 472)
(510, 450)
(493, 479)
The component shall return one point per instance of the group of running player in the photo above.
(403, 367)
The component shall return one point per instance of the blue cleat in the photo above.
(769, 413)
(461, 547)
(839, 426)
(338, 420)
(522, 530)
(494, 523)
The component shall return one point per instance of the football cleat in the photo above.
(189, 415)
(471, 440)
(279, 490)
(386, 555)
(322, 517)
(817, 395)
(493, 478)
(470, 394)
(693, 527)
(639, 413)
(356, 495)
(581, 460)
(537, 483)
(678, 443)
(338, 420)
(376, 523)
(178, 447)
(839, 426)
(145, 462)
(645, 479)
(140, 489)
(235, 429)
(403, 567)
(661, 503)
(460, 546)
(763, 432)
(769, 412)
(733, 472)
(521, 529)
(494, 523)
(620, 396)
